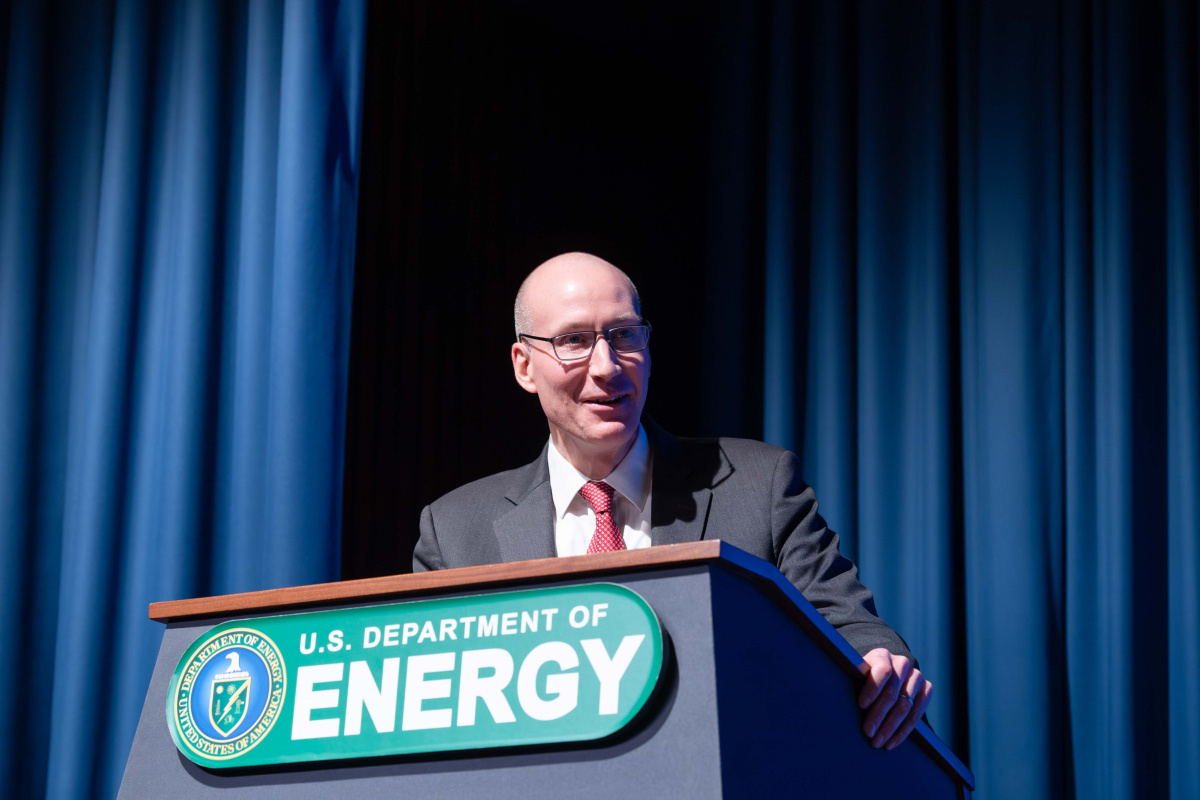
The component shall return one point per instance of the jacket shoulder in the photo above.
(490, 488)
(741, 454)
(750, 447)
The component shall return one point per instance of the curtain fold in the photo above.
(996, 308)
(1183, 394)
(177, 201)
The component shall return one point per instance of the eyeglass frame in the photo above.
(598, 334)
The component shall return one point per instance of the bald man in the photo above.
(608, 479)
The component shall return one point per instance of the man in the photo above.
(607, 481)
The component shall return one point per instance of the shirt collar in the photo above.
(631, 478)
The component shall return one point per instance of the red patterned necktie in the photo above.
(606, 538)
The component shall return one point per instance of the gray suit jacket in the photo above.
(744, 492)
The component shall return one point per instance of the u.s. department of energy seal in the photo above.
(228, 694)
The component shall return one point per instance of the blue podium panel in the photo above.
(787, 715)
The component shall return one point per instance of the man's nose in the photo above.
(604, 362)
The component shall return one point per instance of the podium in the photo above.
(754, 696)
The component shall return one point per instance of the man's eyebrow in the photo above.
(615, 322)
(619, 321)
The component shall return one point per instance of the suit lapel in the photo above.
(684, 474)
(679, 518)
(682, 487)
(525, 531)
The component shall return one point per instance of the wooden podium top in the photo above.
(423, 582)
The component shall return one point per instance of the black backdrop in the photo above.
(496, 135)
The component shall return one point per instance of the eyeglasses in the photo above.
(577, 345)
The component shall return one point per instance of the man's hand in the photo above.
(893, 712)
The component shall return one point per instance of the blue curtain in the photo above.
(177, 202)
(981, 332)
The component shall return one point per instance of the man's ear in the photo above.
(522, 367)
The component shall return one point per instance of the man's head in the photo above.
(593, 404)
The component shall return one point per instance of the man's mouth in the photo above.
(610, 400)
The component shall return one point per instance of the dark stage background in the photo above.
(495, 136)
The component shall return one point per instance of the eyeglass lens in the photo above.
(623, 340)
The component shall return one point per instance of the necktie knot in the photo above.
(606, 538)
(599, 496)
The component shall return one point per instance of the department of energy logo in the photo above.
(228, 694)
(532, 667)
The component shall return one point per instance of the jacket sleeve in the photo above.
(427, 555)
(808, 556)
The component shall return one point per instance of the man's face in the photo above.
(593, 405)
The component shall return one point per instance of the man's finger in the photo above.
(897, 676)
(877, 665)
(877, 680)
(883, 704)
(912, 686)
(920, 703)
(904, 669)
(888, 710)
(896, 715)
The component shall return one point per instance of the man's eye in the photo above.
(572, 339)
(622, 333)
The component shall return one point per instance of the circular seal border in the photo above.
(182, 669)
(212, 656)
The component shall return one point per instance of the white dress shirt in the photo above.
(574, 519)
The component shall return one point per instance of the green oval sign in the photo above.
(534, 667)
